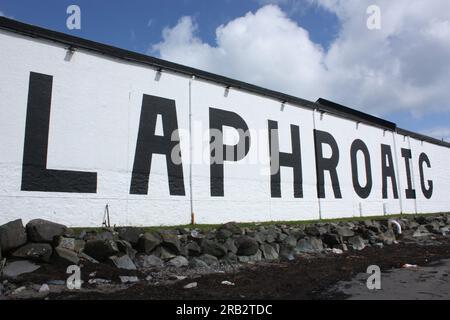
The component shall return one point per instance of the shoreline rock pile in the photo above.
(25, 248)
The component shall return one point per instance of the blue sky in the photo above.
(322, 32)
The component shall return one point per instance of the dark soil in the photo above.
(308, 277)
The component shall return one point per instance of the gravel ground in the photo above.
(319, 276)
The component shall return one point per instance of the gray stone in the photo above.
(130, 234)
(66, 256)
(151, 261)
(290, 241)
(421, 231)
(331, 239)
(101, 249)
(17, 268)
(260, 237)
(311, 244)
(123, 262)
(148, 242)
(129, 279)
(312, 230)
(223, 234)
(40, 230)
(387, 237)
(71, 244)
(356, 242)
(163, 253)
(246, 246)
(126, 248)
(233, 227)
(252, 258)
(433, 227)
(195, 235)
(281, 237)
(12, 235)
(344, 232)
(444, 230)
(106, 235)
(34, 251)
(230, 258)
(193, 249)
(179, 262)
(197, 263)
(286, 253)
(271, 235)
(191, 285)
(84, 256)
(269, 252)
(297, 233)
(213, 248)
(230, 246)
(210, 260)
(372, 225)
(170, 241)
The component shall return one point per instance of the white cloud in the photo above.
(403, 66)
(1, 14)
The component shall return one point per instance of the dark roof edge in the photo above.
(321, 104)
(358, 114)
(421, 137)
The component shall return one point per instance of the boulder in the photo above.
(66, 256)
(421, 231)
(356, 242)
(286, 253)
(163, 253)
(269, 252)
(12, 235)
(433, 227)
(223, 234)
(312, 230)
(149, 241)
(106, 235)
(213, 248)
(192, 249)
(71, 244)
(126, 248)
(17, 268)
(230, 246)
(246, 246)
(271, 235)
(251, 258)
(297, 233)
(387, 237)
(178, 261)
(101, 250)
(151, 261)
(40, 230)
(197, 263)
(123, 262)
(232, 227)
(170, 241)
(34, 251)
(344, 232)
(130, 234)
(290, 241)
(331, 239)
(210, 260)
(310, 244)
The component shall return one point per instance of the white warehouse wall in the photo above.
(95, 121)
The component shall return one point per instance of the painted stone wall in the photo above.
(80, 131)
